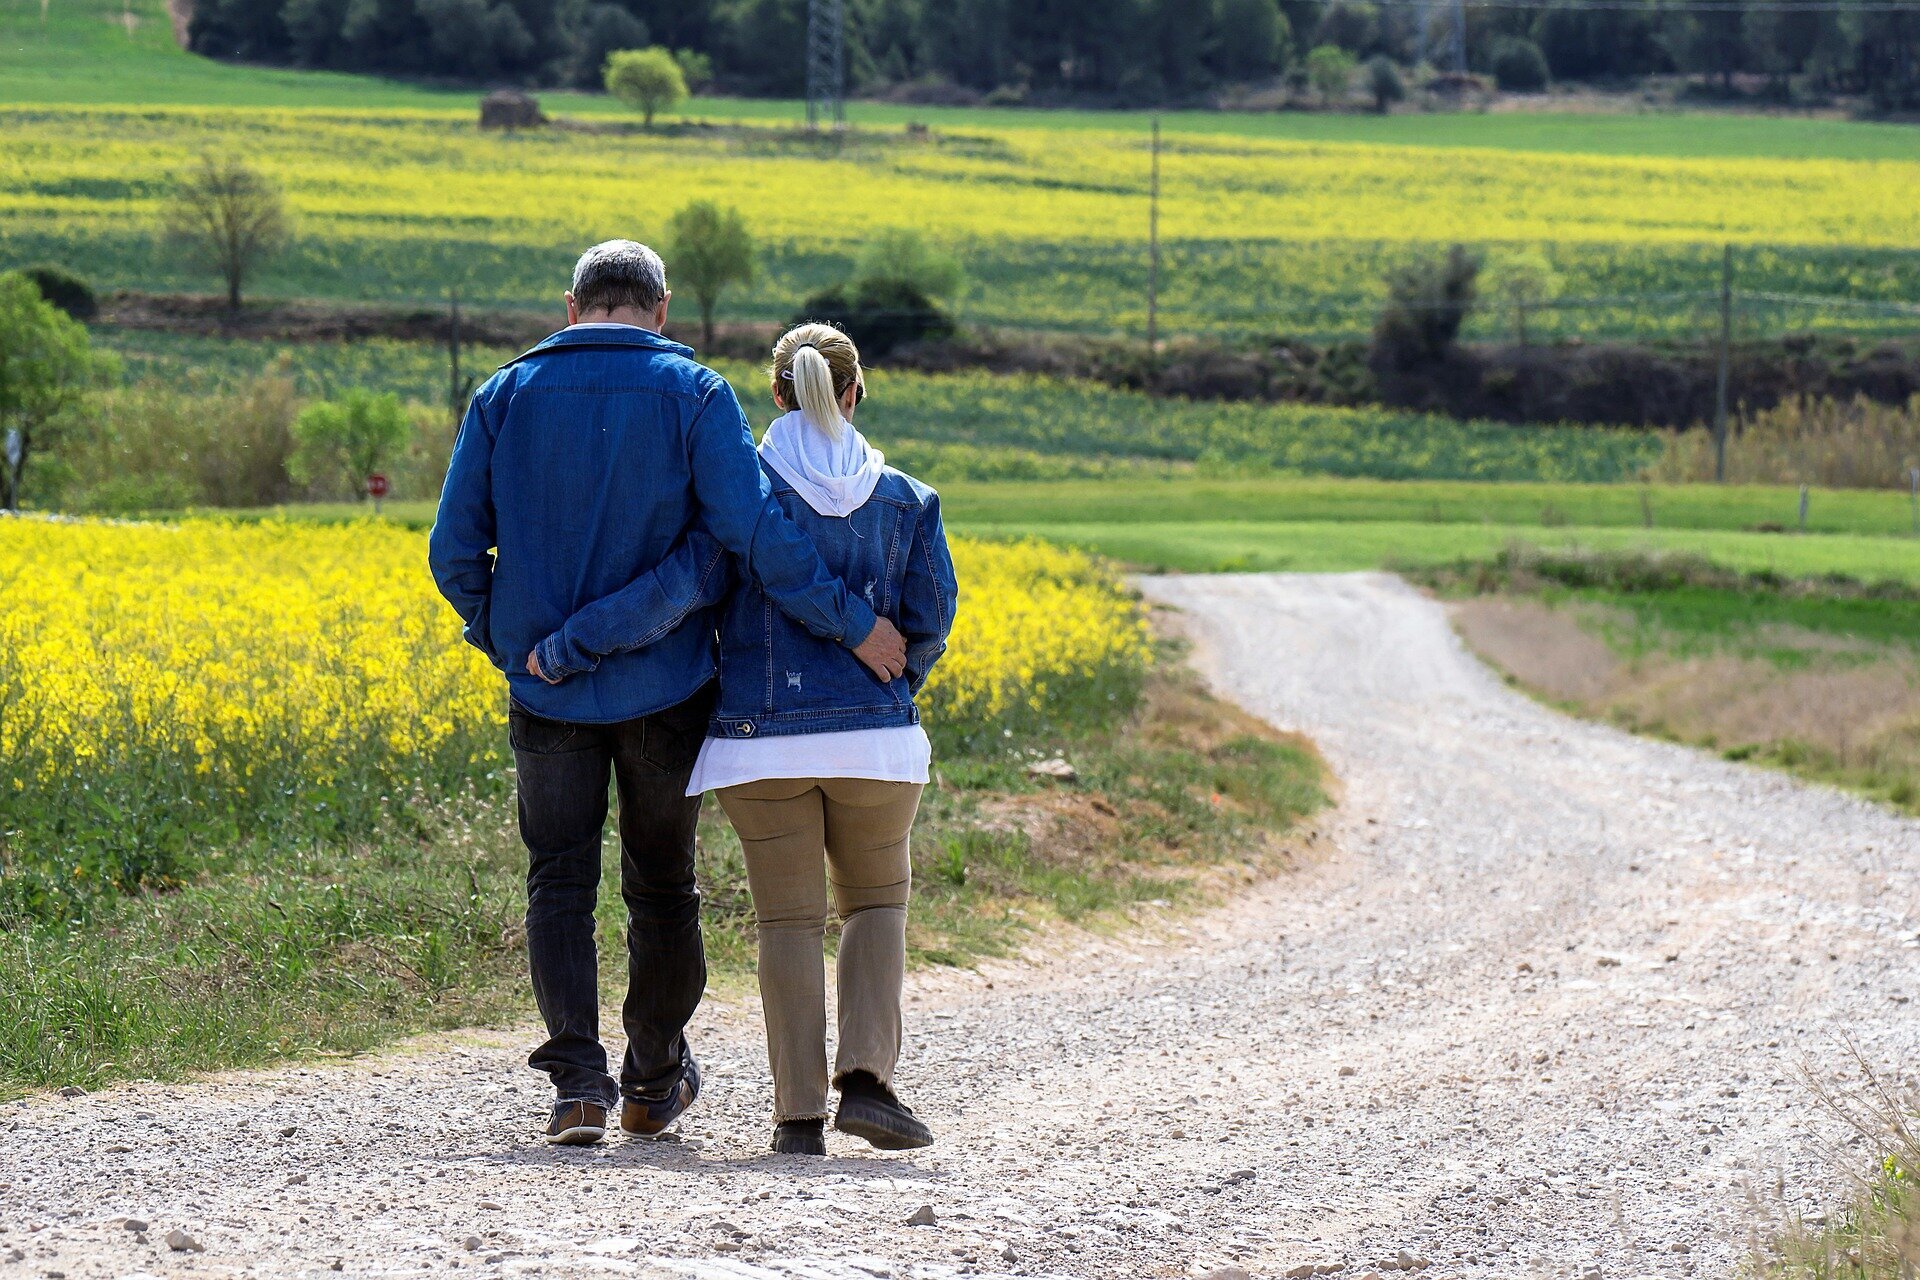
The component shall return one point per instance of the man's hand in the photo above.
(533, 666)
(884, 651)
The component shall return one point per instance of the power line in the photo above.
(1686, 6)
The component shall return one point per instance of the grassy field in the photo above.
(86, 52)
(1816, 677)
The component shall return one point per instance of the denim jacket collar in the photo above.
(609, 335)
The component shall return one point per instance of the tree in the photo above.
(1330, 70)
(695, 67)
(709, 248)
(1384, 82)
(338, 444)
(1518, 65)
(648, 80)
(1520, 282)
(905, 256)
(227, 218)
(1250, 38)
(46, 364)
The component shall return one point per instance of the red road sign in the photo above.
(377, 485)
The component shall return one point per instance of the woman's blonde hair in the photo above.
(813, 365)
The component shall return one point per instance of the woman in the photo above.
(818, 763)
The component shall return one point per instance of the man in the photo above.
(577, 468)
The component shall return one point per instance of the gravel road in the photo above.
(1540, 1009)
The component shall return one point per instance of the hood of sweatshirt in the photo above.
(836, 477)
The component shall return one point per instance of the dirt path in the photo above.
(1540, 1014)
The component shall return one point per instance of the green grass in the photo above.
(1312, 499)
(1209, 547)
(81, 52)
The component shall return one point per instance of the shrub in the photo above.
(1330, 70)
(151, 447)
(1836, 444)
(64, 289)
(1519, 66)
(904, 256)
(1519, 282)
(1427, 303)
(879, 315)
(1384, 82)
(696, 69)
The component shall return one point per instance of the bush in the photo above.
(151, 447)
(64, 289)
(1384, 83)
(1519, 66)
(1427, 303)
(879, 315)
(1330, 70)
(1834, 444)
(904, 256)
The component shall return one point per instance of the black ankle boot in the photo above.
(800, 1137)
(868, 1109)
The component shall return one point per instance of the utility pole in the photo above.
(1153, 254)
(1720, 372)
(1459, 37)
(454, 386)
(826, 63)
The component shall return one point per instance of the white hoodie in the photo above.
(836, 477)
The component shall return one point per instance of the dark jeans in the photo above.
(563, 773)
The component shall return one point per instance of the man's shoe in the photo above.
(868, 1109)
(800, 1137)
(577, 1124)
(648, 1117)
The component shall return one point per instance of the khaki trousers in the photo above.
(857, 828)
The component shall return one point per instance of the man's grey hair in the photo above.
(619, 273)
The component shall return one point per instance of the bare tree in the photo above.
(228, 218)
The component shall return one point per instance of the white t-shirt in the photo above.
(900, 753)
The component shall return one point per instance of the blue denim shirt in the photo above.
(775, 677)
(578, 468)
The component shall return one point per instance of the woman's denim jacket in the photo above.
(775, 676)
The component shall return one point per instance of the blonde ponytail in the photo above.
(813, 365)
(813, 389)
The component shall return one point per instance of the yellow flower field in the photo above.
(1282, 235)
(158, 678)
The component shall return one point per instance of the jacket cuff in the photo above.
(860, 622)
(553, 667)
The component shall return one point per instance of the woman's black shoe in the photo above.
(800, 1138)
(869, 1110)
